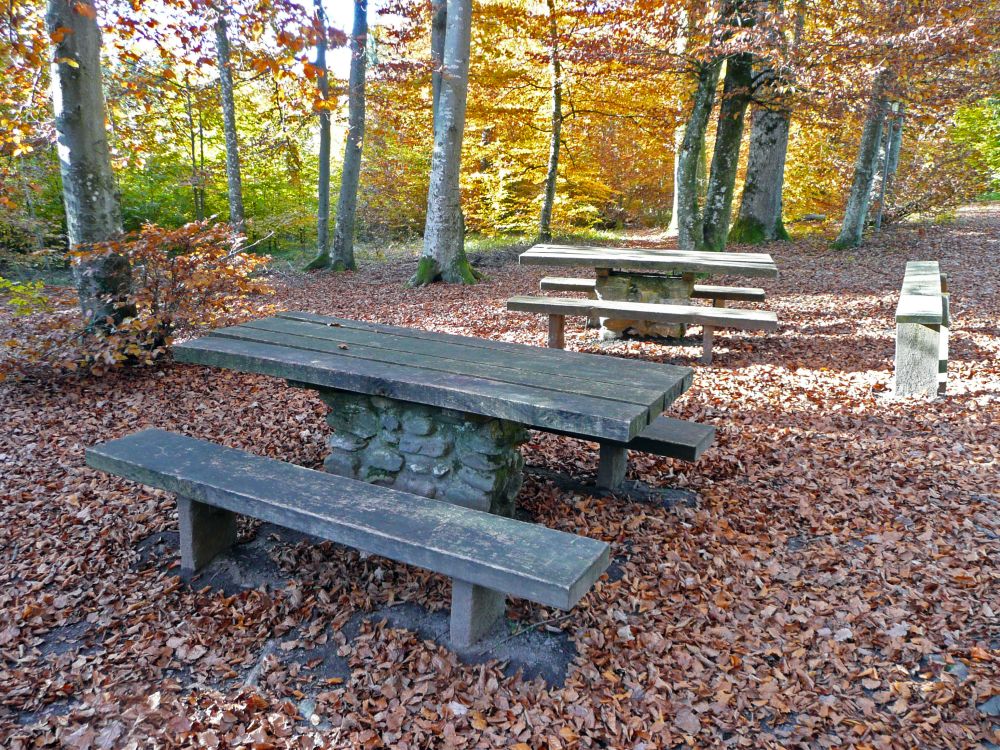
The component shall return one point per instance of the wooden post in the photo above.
(707, 339)
(557, 331)
(611, 466)
(474, 612)
(205, 532)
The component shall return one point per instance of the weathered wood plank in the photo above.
(564, 284)
(920, 300)
(433, 355)
(593, 366)
(757, 320)
(736, 293)
(660, 261)
(526, 560)
(676, 438)
(534, 407)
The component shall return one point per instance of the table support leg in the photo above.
(474, 612)
(611, 466)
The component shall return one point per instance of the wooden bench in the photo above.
(709, 318)
(665, 436)
(922, 322)
(701, 291)
(486, 556)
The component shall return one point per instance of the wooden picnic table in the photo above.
(437, 414)
(649, 276)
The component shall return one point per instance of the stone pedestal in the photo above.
(640, 287)
(460, 458)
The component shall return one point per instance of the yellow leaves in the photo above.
(59, 34)
(67, 61)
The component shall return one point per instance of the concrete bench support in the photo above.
(205, 532)
(611, 466)
(921, 360)
(475, 611)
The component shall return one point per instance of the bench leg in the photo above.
(557, 331)
(611, 466)
(707, 338)
(474, 612)
(205, 532)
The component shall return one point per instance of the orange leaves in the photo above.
(85, 9)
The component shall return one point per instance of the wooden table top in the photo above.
(672, 262)
(587, 395)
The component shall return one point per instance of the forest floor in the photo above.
(831, 579)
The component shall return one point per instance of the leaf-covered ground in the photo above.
(837, 583)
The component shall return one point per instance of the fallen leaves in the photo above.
(840, 564)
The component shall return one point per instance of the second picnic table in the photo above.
(653, 276)
(441, 415)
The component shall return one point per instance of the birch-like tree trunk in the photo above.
(759, 218)
(552, 173)
(439, 21)
(736, 93)
(678, 140)
(689, 226)
(443, 255)
(93, 211)
(322, 259)
(347, 202)
(895, 145)
(234, 180)
(865, 167)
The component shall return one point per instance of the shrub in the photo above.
(196, 275)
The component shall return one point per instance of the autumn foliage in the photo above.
(195, 276)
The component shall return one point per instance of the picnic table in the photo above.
(653, 276)
(441, 415)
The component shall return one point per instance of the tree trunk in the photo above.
(93, 212)
(347, 203)
(439, 21)
(322, 259)
(726, 158)
(865, 165)
(689, 227)
(678, 140)
(895, 144)
(545, 220)
(760, 209)
(234, 181)
(444, 250)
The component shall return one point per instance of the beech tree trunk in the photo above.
(93, 211)
(895, 144)
(322, 259)
(551, 175)
(678, 140)
(864, 169)
(439, 20)
(760, 208)
(347, 202)
(689, 227)
(726, 158)
(234, 181)
(443, 255)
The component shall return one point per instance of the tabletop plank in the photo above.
(538, 408)
(617, 370)
(428, 355)
(661, 261)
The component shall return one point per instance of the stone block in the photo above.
(346, 442)
(343, 463)
(383, 458)
(433, 446)
(649, 288)
(417, 424)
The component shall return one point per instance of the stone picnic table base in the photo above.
(465, 459)
(654, 288)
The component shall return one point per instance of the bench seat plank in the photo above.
(526, 560)
(434, 356)
(592, 366)
(920, 300)
(566, 284)
(736, 293)
(675, 438)
(533, 407)
(720, 317)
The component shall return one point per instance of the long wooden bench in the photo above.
(701, 291)
(709, 318)
(486, 556)
(923, 319)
